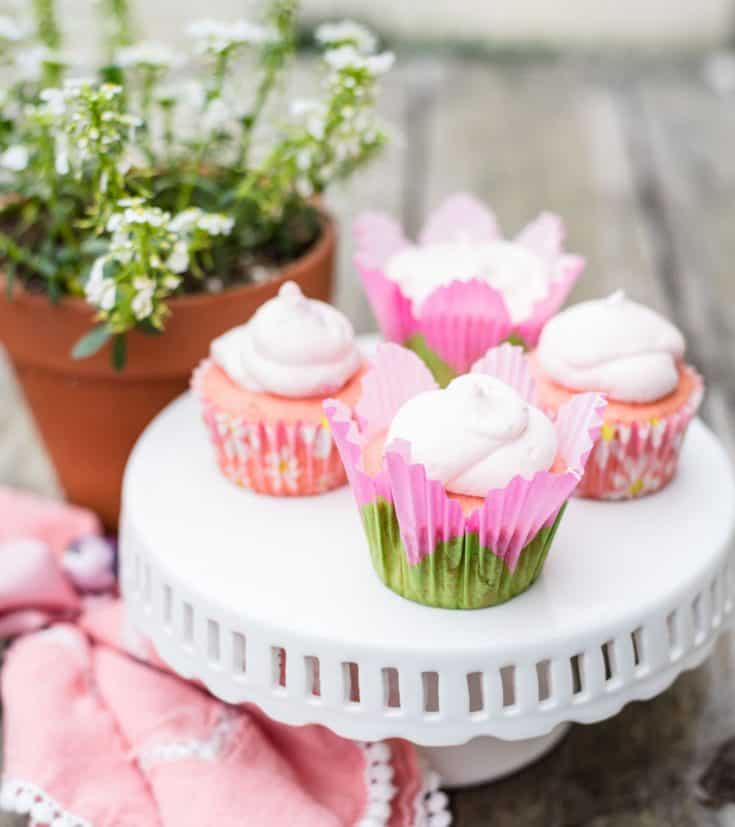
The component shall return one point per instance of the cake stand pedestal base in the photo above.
(487, 759)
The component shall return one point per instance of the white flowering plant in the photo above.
(151, 176)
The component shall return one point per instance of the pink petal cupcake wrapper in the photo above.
(281, 459)
(509, 364)
(461, 216)
(629, 461)
(461, 321)
(508, 518)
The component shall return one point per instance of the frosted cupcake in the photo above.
(262, 390)
(462, 289)
(636, 358)
(460, 490)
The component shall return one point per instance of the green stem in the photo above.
(167, 112)
(146, 105)
(220, 73)
(46, 24)
(119, 25)
(20, 255)
(265, 87)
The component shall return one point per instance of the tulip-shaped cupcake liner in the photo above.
(278, 458)
(631, 460)
(424, 545)
(459, 322)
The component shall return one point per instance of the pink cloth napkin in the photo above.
(98, 733)
(24, 515)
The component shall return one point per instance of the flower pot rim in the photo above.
(39, 335)
(323, 243)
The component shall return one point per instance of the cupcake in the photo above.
(634, 357)
(262, 390)
(460, 490)
(462, 289)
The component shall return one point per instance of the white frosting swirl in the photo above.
(476, 435)
(515, 271)
(614, 346)
(292, 346)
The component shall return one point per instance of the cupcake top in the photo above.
(615, 346)
(476, 435)
(512, 269)
(292, 346)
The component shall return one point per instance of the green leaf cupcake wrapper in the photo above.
(460, 573)
(427, 546)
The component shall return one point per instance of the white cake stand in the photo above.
(275, 602)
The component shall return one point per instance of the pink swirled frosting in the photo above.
(615, 346)
(475, 435)
(293, 346)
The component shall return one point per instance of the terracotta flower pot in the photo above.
(90, 415)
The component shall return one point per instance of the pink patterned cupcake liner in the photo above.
(281, 459)
(459, 322)
(632, 460)
(422, 543)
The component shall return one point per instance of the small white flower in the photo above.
(61, 154)
(148, 54)
(15, 158)
(348, 57)
(72, 86)
(347, 32)
(637, 476)
(171, 283)
(130, 202)
(99, 290)
(186, 220)
(344, 57)
(380, 64)
(114, 222)
(54, 101)
(152, 216)
(245, 32)
(10, 30)
(217, 36)
(178, 261)
(215, 224)
(283, 468)
(142, 304)
(304, 187)
(312, 113)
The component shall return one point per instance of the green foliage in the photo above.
(91, 342)
(138, 184)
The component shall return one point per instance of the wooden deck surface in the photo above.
(639, 158)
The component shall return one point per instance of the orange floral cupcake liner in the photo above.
(281, 459)
(632, 460)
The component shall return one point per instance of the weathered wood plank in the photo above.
(686, 171)
(546, 136)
